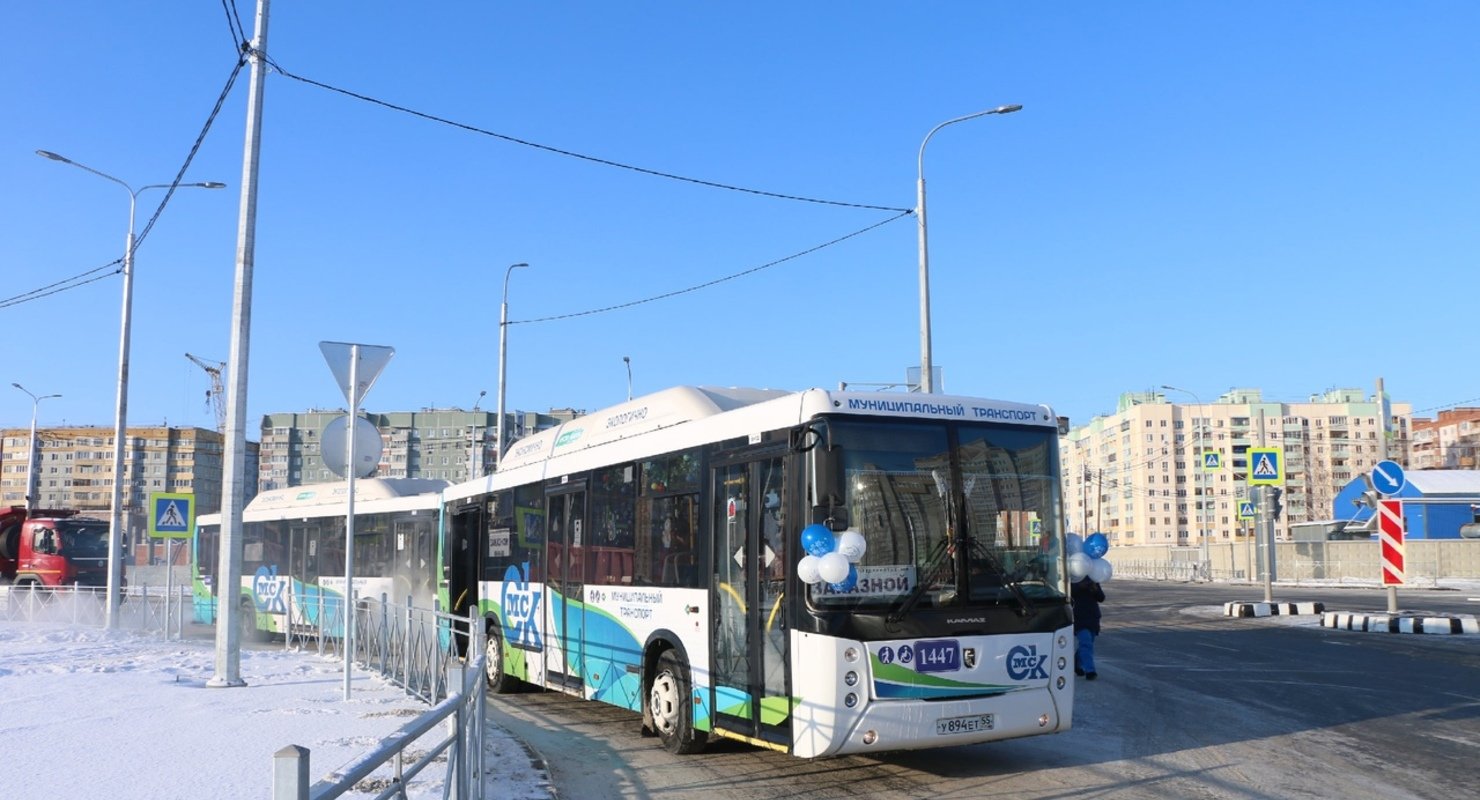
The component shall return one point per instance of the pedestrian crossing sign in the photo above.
(1211, 462)
(171, 516)
(1266, 466)
(1246, 509)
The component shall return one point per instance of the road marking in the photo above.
(1217, 647)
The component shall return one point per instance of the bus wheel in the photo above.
(499, 681)
(670, 701)
(247, 623)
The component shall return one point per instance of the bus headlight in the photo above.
(851, 678)
(1063, 642)
(1043, 721)
(1062, 663)
(869, 737)
(851, 654)
(851, 700)
(1061, 681)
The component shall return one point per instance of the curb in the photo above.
(1395, 623)
(1240, 609)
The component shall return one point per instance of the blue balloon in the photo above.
(1096, 545)
(846, 584)
(817, 540)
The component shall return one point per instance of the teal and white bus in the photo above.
(814, 572)
(293, 553)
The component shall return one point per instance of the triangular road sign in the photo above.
(373, 358)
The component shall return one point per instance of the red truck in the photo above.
(50, 547)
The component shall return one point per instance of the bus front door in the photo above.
(750, 636)
(565, 517)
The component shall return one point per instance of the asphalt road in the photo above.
(1190, 704)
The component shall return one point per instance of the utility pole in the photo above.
(1382, 454)
(1266, 532)
(233, 478)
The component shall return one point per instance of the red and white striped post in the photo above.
(1390, 539)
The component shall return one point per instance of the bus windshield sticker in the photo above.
(886, 581)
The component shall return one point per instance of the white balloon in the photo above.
(852, 545)
(807, 569)
(1100, 570)
(1079, 566)
(1073, 543)
(833, 567)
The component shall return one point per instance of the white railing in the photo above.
(416, 649)
(147, 609)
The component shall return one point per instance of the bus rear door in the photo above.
(565, 515)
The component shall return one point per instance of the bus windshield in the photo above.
(952, 513)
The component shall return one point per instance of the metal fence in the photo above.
(418, 650)
(146, 609)
(1428, 562)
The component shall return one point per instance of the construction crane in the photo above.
(216, 395)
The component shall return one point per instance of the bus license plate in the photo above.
(970, 724)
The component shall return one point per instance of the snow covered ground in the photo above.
(89, 713)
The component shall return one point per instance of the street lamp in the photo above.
(475, 450)
(628, 361)
(926, 381)
(31, 460)
(503, 351)
(120, 423)
(1197, 444)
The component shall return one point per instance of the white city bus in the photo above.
(293, 553)
(648, 556)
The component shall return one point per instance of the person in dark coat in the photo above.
(1087, 597)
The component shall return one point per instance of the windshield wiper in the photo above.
(927, 576)
(1012, 582)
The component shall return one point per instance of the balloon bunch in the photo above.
(1087, 557)
(831, 559)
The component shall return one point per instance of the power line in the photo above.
(234, 22)
(708, 284)
(78, 280)
(572, 154)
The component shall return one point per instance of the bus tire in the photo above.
(495, 669)
(247, 623)
(671, 705)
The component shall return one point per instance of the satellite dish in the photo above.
(368, 446)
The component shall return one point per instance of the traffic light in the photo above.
(1275, 506)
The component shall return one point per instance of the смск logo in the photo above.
(521, 608)
(1024, 663)
(267, 590)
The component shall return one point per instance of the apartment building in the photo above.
(448, 444)
(74, 469)
(1138, 475)
(1452, 441)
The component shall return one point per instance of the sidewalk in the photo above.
(120, 716)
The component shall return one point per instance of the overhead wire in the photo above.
(714, 282)
(571, 153)
(82, 279)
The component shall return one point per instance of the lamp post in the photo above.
(926, 381)
(503, 351)
(628, 361)
(31, 459)
(1197, 443)
(120, 422)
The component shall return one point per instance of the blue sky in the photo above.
(1269, 194)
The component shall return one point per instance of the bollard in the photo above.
(290, 773)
